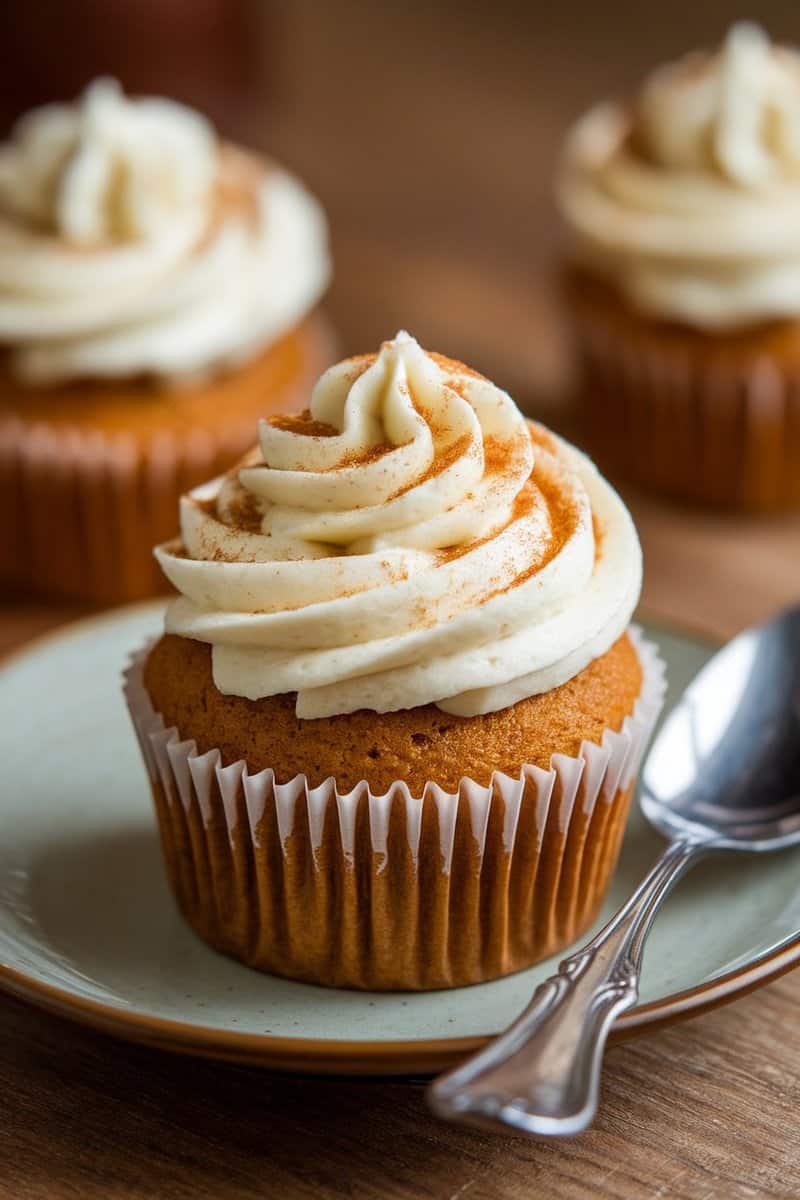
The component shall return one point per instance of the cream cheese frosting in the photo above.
(411, 539)
(133, 242)
(688, 197)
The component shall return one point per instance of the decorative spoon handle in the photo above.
(542, 1075)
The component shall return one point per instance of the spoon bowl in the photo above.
(725, 767)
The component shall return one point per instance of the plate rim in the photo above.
(407, 1056)
(332, 1056)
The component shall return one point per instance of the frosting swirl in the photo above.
(131, 242)
(688, 198)
(411, 539)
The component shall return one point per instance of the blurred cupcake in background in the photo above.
(684, 282)
(157, 296)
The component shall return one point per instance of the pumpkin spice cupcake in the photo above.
(394, 722)
(157, 288)
(684, 285)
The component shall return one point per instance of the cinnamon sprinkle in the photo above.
(245, 513)
(523, 503)
(361, 361)
(545, 486)
(453, 366)
(599, 531)
(362, 458)
(496, 455)
(444, 460)
(543, 438)
(302, 423)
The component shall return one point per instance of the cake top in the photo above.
(133, 242)
(411, 539)
(687, 197)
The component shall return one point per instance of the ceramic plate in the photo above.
(88, 928)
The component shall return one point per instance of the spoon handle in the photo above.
(542, 1075)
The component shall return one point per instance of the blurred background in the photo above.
(430, 133)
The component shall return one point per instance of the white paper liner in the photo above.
(187, 777)
(390, 891)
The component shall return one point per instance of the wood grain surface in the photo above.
(431, 143)
(707, 1111)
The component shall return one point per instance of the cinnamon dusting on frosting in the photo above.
(408, 557)
(302, 423)
(598, 529)
(361, 458)
(445, 459)
(245, 513)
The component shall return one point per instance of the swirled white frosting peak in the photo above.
(688, 198)
(108, 169)
(132, 242)
(409, 540)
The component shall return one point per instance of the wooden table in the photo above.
(438, 187)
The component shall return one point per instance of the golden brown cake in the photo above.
(415, 744)
(156, 289)
(684, 280)
(394, 722)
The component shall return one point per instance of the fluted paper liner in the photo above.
(353, 889)
(698, 426)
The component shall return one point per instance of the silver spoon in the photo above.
(723, 774)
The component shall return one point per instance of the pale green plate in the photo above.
(88, 928)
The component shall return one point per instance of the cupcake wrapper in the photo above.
(88, 508)
(80, 511)
(694, 425)
(353, 889)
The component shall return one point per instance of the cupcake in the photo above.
(395, 719)
(684, 281)
(156, 297)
